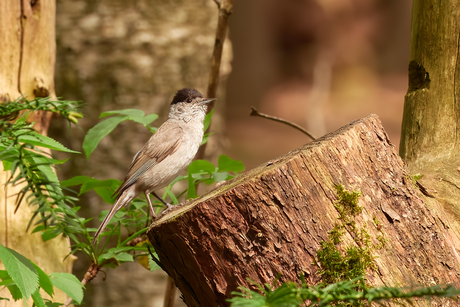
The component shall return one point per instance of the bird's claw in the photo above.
(169, 207)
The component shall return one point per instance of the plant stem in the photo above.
(170, 293)
(89, 275)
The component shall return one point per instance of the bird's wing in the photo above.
(162, 144)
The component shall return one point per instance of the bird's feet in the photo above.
(168, 208)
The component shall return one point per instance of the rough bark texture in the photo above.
(273, 218)
(429, 137)
(27, 68)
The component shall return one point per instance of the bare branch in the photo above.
(225, 9)
(254, 112)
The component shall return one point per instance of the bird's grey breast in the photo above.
(189, 136)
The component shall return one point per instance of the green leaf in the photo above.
(106, 194)
(171, 195)
(191, 190)
(49, 303)
(56, 161)
(206, 138)
(153, 265)
(219, 176)
(44, 281)
(124, 257)
(21, 270)
(94, 183)
(10, 285)
(102, 129)
(177, 179)
(144, 120)
(77, 180)
(15, 292)
(207, 120)
(50, 234)
(38, 299)
(98, 132)
(39, 228)
(9, 155)
(152, 129)
(7, 282)
(4, 275)
(119, 253)
(46, 169)
(195, 170)
(229, 165)
(37, 139)
(69, 284)
(199, 166)
(129, 112)
(6, 165)
(115, 218)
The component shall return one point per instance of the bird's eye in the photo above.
(189, 100)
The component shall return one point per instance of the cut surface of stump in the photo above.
(272, 219)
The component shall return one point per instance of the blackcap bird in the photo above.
(169, 151)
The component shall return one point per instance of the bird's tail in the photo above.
(122, 201)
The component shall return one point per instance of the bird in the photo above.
(168, 151)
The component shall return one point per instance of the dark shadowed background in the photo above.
(320, 64)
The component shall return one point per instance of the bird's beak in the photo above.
(207, 100)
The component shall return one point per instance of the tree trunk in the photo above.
(27, 68)
(273, 218)
(429, 138)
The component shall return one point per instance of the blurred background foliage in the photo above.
(318, 63)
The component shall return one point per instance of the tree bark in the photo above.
(273, 218)
(430, 128)
(27, 68)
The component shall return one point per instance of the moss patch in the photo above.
(338, 262)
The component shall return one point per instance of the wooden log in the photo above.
(273, 218)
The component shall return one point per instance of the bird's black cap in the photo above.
(186, 94)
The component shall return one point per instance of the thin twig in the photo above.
(89, 275)
(225, 9)
(254, 112)
(136, 241)
(170, 293)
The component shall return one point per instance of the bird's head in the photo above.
(188, 104)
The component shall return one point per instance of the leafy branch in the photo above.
(67, 109)
(24, 279)
(55, 212)
(32, 167)
(343, 293)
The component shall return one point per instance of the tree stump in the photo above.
(272, 219)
